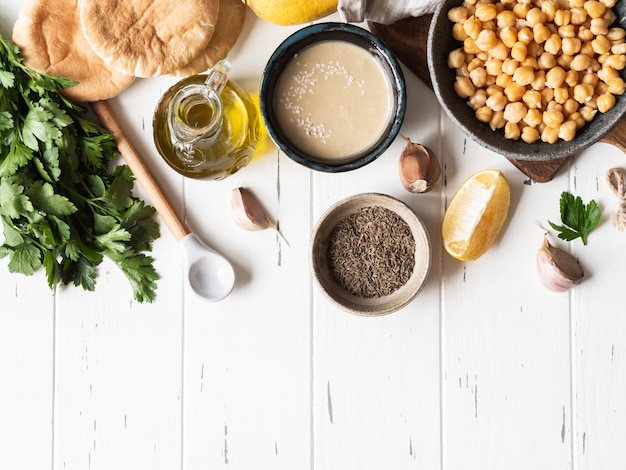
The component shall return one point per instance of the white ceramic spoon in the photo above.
(210, 275)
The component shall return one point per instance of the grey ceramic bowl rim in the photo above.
(440, 43)
(316, 33)
(415, 222)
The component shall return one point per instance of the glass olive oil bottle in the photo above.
(206, 126)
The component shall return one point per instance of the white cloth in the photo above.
(383, 11)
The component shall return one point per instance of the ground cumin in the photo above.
(371, 252)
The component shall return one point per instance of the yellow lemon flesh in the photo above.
(291, 12)
(475, 216)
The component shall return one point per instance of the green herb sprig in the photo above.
(579, 219)
(64, 205)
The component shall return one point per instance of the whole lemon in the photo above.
(291, 12)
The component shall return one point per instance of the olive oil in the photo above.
(206, 133)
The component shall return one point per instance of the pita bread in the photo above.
(230, 21)
(50, 37)
(148, 37)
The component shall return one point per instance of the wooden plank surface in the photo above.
(484, 370)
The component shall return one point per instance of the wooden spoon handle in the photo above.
(134, 161)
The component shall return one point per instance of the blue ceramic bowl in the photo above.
(311, 35)
(441, 42)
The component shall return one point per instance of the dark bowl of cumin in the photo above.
(370, 254)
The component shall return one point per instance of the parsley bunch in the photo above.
(579, 219)
(62, 205)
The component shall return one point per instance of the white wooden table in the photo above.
(484, 370)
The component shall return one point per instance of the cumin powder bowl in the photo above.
(370, 254)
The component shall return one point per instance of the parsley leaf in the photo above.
(578, 219)
(62, 207)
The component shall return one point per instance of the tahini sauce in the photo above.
(333, 100)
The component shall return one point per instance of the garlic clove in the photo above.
(249, 214)
(558, 270)
(419, 168)
(247, 211)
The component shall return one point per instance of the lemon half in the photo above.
(290, 12)
(476, 214)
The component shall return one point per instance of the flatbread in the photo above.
(230, 22)
(148, 37)
(49, 35)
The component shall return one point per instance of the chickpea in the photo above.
(525, 35)
(530, 135)
(493, 67)
(552, 118)
(616, 34)
(514, 91)
(539, 83)
(570, 107)
(500, 51)
(505, 18)
(619, 48)
(616, 86)
(532, 98)
(458, 32)
(484, 114)
(515, 112)
(567, 31)
(561, 95)
(567, 130)
(589, 78)
(578, 16)
(469, 46)
(606, 74)
(578, 119)
(541, 33)
(464, 87)
(533, 117)
(580, 62)
(519, 51)
(478, 76)
(458, 14)
(547, 95)
(485, 11)
(486, 40)
(534, 17)
(618, 62)
(456, 59)
(478, 99)
(472, 27)
(509, 36)
(523, 76)
(503, 80)
(555, 77)
(562, 17)
(497, 102)
(599, 26)
(570, 46)
(550, 135)
(583, 92)
(512, 131)
(553, 44)
(521, 10)
(497, 120)
(601, 45)
(588, 113)
(571, 78)
(530, 62)
(605, 102)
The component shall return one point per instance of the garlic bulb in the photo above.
(558, 270)
(418, 167)
(248, 213)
